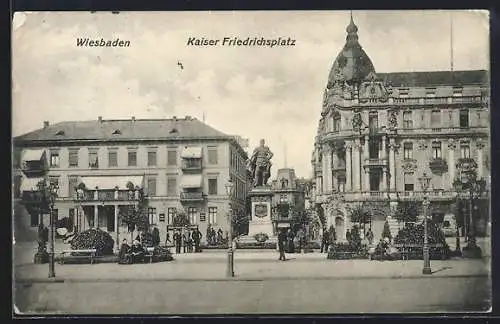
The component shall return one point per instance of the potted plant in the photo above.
(438, 165)
(130, 186)
(466, 164)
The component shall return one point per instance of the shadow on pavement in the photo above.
(441, 269)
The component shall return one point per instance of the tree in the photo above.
(180, 219)
(407, 211)
(136, 216)
(361, 215)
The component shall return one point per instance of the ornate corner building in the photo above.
(379, 132)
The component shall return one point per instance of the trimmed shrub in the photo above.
(94, 238)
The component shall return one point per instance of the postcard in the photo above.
(251, 162)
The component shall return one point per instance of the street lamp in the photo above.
(457, 186)
(51, 195)
(476, 188)
(424, 182)
(230, 252)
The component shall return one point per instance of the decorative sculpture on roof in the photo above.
(259, 165)
(356, 121)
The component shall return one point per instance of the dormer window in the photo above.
(430, 92)
(60, 132)
(404, 92)
(117, 132)
(457, 91)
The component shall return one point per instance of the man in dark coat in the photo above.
(325, 241)
(196, 238)
(282, 239)
(177, 241)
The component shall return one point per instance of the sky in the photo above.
(255, 92)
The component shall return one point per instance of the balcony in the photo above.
(375, 162)
(107, 195)
(191, 165)
(192, 196)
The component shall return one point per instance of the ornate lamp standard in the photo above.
(51, 192)
(230, 252)
(475, 188)
(457, 186)
(424, 182)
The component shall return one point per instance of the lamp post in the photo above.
(230, 252)
(51, 194)
(424, 182)
(457, 188)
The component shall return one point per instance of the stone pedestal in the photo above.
(260, 220)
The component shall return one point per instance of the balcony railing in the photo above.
(191, 164)
(107, 195)
(374, 162)
(192, 196)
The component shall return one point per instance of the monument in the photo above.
(260, 228)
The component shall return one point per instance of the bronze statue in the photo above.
(259, 165)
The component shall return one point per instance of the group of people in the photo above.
(352, 237)
(215, 238)
(187, 241)
(130, 254)
(287, 240)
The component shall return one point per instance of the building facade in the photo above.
(182, 164)
(289, 197)
(379, 132)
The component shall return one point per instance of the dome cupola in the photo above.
(352, 64)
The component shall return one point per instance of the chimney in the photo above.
(45, 124)
(187, 118)
(174, 118)
(99, 119)
(133, 118)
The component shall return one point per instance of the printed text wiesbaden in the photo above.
(88, 42)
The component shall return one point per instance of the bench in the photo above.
(90, 254)
(404, 249)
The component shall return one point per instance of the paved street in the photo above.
(275, 296)
(307, 283)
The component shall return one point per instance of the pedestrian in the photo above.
(348, 236)
(282, 238)
(168, 239)
(219, 237)
(291, 245)
(177, 240)
(332, 236)
(300, 236)
(369, 236)
(185, 241)
(196, 239)
(214, 239)
(324, 241)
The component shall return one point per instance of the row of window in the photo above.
(151, 185)
(73, 158)
(436, 121)
(436, 150)
(430, 92)
(108, 222)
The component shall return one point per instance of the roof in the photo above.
(352, 63)
(435, 78)
(124, 130)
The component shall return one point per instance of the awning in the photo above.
(103, 183)
(192, 181)
(30, 184)
(191, 152)
(33, 155)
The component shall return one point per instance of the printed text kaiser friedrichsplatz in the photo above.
(242, 42)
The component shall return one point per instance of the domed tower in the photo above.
(352, 65)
